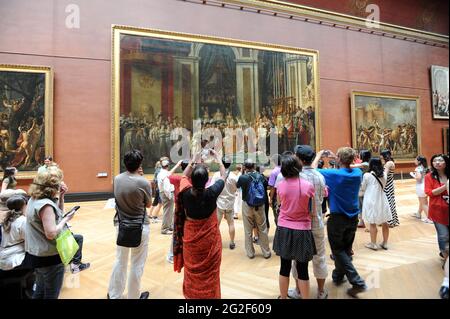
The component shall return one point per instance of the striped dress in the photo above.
(390, 193)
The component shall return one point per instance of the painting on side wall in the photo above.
(164, 81)
(386, 121)
(26, 121)
(439, 87)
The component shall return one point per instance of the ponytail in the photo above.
(11, 216)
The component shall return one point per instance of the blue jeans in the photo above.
(442, 236)
(49, 281)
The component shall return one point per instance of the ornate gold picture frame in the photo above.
(26, 114)
(439, 92)
(162, 80)
(386, 121)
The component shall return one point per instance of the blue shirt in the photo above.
(343, 187)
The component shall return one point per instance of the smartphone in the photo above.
(73, 210)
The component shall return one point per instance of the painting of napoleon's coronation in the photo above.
(167, 84)
(383, 121)
(24, 99)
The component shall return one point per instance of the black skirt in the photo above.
(294, 244)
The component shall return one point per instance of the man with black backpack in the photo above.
(253, 214)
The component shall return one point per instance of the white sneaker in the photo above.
(155, 220)
(371, 246)
(169, 259)
(427, 221)
(74, 268)
(294, 294)
(416, 215)
(323, 294)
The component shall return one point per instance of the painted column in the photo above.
(247, 84)
(183, 65)
(295, 68)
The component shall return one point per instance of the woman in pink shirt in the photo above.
(293, 238)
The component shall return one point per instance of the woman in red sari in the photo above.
(197, 240)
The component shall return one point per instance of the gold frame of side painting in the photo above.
(194, 41)
(386, 121)
(27, 106)
(445, 140)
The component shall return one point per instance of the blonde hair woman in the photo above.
(44, 222)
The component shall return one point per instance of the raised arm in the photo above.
(188, 170)
(315, 163)
(223, 171)
(175, 167)
(62, 191)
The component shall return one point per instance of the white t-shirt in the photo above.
(226, 198)
(12, 248)
(164, 184)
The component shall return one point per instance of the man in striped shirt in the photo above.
(306, 155)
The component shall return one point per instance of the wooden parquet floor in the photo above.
(411, 268)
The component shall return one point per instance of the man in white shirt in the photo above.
(225, 201)
(166, 192)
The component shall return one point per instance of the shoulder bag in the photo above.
(130, 231)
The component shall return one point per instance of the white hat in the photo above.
(165, 163)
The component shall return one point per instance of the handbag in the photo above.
(130, 231)
(67, 246)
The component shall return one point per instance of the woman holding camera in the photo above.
(197, 240)
(436, 189)
(44, 222)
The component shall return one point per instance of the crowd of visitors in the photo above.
(356, 190)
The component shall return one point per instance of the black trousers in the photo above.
(17, 283)
(341, 231)
(77, 258)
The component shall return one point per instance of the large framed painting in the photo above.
(386, 121)
(165, 83)
(26, 113)
(439, 87)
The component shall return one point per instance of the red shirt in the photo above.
(175, 181)
(438, 207)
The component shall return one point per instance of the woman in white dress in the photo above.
(376, 210)
(419, 175)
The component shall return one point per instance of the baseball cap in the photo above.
(304, 152)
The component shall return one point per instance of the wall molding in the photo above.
(306, 14)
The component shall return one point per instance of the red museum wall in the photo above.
(34, 33)
(426, 15)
